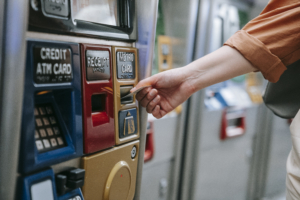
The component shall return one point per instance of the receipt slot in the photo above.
(52, 117)
(125, 73)
(97, 89)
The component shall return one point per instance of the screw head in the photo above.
(133, 152)
(35, 4)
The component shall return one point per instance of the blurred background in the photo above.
(223, 143)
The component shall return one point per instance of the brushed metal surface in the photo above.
(76, 39)
(164, 134)
(194, 152)
(281, 145)
(146, 22)
(180, 25)
(223, 166)
(157, 173)
(11, 91)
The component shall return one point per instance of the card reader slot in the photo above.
(125, 90)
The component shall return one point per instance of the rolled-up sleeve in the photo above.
(271, 41)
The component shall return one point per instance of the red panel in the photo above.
(99, 131)
(149, 149)
(233, 130)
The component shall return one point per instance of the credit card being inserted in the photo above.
(133, 93)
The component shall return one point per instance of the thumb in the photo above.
(146, 82)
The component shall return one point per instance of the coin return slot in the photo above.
(99, 114)
(125, 90)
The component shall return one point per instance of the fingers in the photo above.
(140, 95)
(155, 112)
(151, 105)
(158, 113)
(148, 97)
(145, 82)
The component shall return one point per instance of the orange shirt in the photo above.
(271, 41)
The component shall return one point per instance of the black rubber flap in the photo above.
(283, 97)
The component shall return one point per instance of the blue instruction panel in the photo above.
(52, 107)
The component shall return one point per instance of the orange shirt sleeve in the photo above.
(271, 41)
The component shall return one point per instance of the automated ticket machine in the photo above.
(79, 139)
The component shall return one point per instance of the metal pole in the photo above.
(11, 91)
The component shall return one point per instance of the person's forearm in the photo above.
(221, 65)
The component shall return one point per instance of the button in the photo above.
(53, 142)
(39, 145)
(76, 174)
(124, 90)
(69, 180)
(56, 130)
(46, 143)
(43, 132)
(36, 134)
(61, 181)
(42, 111)
(46, 121)
(36, 112)
(126, 65)
(133, 152)
(60, 141)
(52, 120)
(57, 7)
(39, 122)
(127, 122)
(73, 184)
(49, 131)
(97, 65)
(49, 110)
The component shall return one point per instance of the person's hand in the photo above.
(168, 90)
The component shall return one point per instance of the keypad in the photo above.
(48, 135)
(75, 198)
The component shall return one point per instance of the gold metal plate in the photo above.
(111, 175)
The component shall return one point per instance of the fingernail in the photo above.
(156, 99)
(133, 89)
(152, 92)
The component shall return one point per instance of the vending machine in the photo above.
(66, 130)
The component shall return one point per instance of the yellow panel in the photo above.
(117, 94)
(164, 60)
(111, 175)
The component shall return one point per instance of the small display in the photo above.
(52, 65)
(126, 65)
(48, 135)
(97, 11)
(97, 65)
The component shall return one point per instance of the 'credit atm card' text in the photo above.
(52, 65)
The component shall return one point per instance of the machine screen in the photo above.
(97, 11)
(48, 135)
